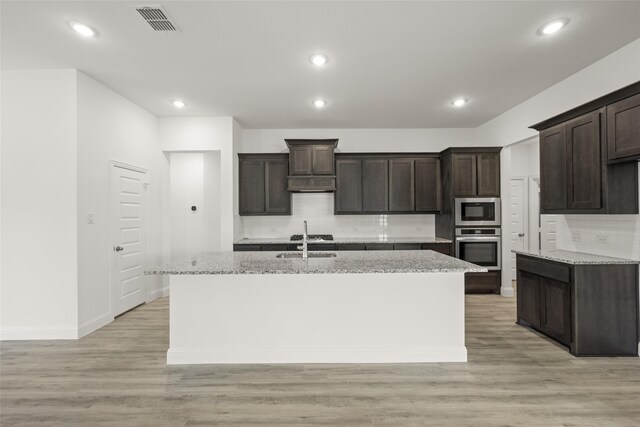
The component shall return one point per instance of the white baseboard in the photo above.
(506, 292)
(185, 356)
(158, 293)
(39, 333)
(94, 324)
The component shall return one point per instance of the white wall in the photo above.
(619, 69)
(361, 140)
(194, 181)
(207, 134)
(39, 292)
(111, 127)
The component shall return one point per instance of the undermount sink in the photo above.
(311, 255)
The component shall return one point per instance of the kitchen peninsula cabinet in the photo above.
(387, 184)
(587, 156)
(263, 184)
(585, 302)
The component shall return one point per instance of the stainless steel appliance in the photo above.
(480, 246)
(477, 211)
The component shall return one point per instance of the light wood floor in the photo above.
(117, 376)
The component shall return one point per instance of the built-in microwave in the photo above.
(477, 211)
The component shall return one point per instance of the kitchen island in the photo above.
(356, 307)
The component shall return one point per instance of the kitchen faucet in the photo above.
(305, 239)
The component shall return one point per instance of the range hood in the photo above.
(311, 165)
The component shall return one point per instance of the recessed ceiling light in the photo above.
(552, 27)
(319, 103)
(178, 104)
(459, 102)
(319, 59)
(82, 29)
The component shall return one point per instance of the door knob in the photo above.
(521, 234)
(118, 248)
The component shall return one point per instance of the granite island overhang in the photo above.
(357, 307)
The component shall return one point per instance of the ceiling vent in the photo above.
(157, 18)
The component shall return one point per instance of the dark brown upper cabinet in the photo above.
(570, 165)
(375, 185)
(401, 185)
(428, 187)
(263, 184)
(476, 174)
(577, 172)
(387, 183)
(623, 129)
(348, 195)
(311, 156)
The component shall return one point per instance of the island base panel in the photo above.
(317, 318)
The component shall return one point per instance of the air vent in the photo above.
(156, 17)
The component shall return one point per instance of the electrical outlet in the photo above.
(576, 236)
(90, 218)
(601, 238)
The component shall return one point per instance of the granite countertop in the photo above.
(575, 258)
(344, 262)
(264, 241)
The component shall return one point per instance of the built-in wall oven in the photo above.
(477, 211)
(480, 246)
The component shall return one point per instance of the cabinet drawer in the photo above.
(321, 246)
(246, 248)
(547, 269)
(407, 246)
(350, 247)
(379, 246)
(281, 247)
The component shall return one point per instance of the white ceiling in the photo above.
(392, 64)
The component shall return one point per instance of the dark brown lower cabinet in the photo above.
(443, 248)
(591, 309)
(482, 283)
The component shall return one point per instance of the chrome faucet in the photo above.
(305, 239)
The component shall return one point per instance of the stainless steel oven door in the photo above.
(477, 211)
(485, 251)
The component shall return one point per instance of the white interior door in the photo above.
(127, 276)
(518, 219)
(542, 228)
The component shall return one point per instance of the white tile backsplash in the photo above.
(317, 209)
(609, 235)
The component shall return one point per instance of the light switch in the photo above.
(90, 219)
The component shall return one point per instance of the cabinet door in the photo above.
(529, 298)
(464, 175)
(375, 185)
(401, 185)
(584, 180)
(555, 313)
(251, 186)
(278, 199)
(488, 183)
(428, 193)
(553, 172)
(301, 160)
(323, 160)
(348, 195)
(623, 129)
